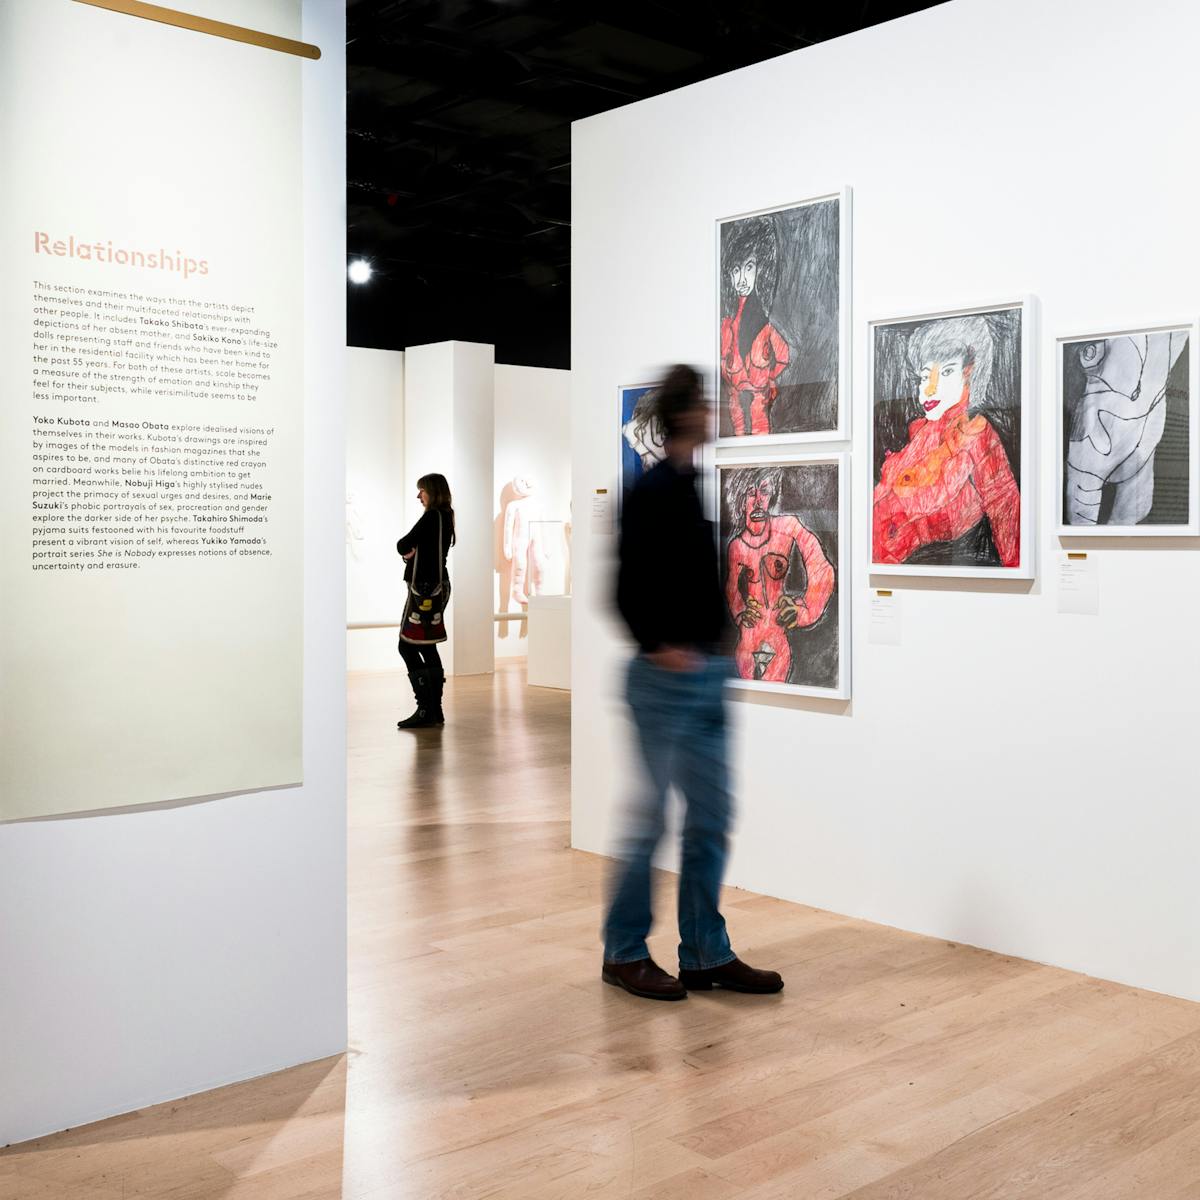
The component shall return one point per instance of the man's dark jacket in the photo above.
(668, 583)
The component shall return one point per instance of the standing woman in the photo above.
(424, 548)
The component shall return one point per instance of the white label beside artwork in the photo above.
(884, 629)
(1078, 584)
(602, 514)
(151, 435)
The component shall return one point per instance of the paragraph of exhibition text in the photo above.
(91, 344)
(112, 495)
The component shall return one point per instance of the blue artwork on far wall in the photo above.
(641, 435)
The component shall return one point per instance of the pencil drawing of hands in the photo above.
(1116, 423)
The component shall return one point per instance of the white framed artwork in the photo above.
(783, 323)
(952, 443)
(784, 545)
(1127, 432)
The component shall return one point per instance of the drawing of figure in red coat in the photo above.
(760, 578)
(753, 352)
(941, 494)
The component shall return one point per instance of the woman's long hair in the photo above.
(756, 238)
(438, 491)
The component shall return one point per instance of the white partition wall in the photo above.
(448, 424)
(378, 506)
(533, 443)
(1007, 775)
(154, 952)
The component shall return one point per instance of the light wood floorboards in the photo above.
(487, 1060)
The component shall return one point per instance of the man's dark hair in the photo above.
(680, 392)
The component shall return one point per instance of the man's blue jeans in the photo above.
(680, 729)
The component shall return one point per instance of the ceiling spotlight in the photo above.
(360, 271)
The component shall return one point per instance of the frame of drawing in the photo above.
(784, 546)
(641, 444)
(783, 323)
(1127, 434)
(952, 443)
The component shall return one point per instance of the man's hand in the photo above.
(750, 615)
(787, 611)
(677, 658)
(409, 555)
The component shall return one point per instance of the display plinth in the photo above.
(549, 663)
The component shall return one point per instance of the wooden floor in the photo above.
(487, 1060)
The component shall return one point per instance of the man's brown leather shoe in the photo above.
(644, 978)
(734, 976)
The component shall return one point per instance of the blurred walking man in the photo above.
(669, 593)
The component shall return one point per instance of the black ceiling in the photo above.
(459, 144)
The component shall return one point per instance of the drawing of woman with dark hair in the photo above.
(954, 471)
(753, 352)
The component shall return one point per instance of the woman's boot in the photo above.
(437, 684)
(421, 686)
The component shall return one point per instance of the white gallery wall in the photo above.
(1008, 775)
(533, 442)
(380, 506)
(154, 952)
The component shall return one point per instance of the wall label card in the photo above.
(1078, 584)
(151, 447)
(602, 512)
(884, 628)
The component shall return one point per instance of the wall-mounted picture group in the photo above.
(952, 431)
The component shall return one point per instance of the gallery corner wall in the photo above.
(157, 951)
(448, 420)
(1008, 775)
